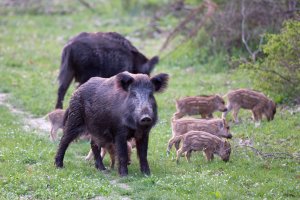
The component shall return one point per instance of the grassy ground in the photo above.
(29, 62)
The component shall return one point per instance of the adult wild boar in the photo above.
(252, 100)
(114, 110)
(203, 105)
(99, 54)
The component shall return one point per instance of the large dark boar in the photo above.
(114, 110)
(99, 54)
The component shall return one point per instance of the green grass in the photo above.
(29, 62)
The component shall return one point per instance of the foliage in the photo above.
(279, 72)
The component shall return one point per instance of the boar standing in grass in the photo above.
(99, 54)
(255, 101)
(202, 141)
(217, 127)
(114, 110)
(203, 105)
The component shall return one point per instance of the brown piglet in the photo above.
(203, 105)
(252, 100)
(202, 141)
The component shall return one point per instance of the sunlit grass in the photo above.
(29, 62)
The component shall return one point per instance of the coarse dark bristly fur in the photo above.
(114, 110)
(99, 54)
(252, 100)
(204, 105)
(202, 141)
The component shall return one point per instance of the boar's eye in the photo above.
(133, 94)
(151, 96)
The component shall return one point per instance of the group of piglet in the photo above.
(210, 134)
(115, 108)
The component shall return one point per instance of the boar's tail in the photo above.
(65, 68)
(65, 77)
(66, 116)
(172, 141)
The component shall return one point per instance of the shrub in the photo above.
(278, 73)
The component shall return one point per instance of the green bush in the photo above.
(278, 73)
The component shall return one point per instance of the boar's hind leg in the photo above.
(98, 159)
(69, 135)
(142, 148)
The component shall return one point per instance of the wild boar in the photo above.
(255, 101)
(202, 141)
(217, 127)
(99, 54)
(114, 110)
(203, 105)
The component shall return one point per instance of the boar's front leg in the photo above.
(98, 159)
(122, 152)
(142, 148)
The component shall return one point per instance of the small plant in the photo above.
(279, 71)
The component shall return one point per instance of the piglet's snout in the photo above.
(146, 120)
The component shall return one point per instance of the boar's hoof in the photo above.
(59, 164)
(123, 172)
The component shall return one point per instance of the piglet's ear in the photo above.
(160, 82)
(124, 80)
(221, 124)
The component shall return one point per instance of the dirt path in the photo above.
(41, 126)
(38, 125)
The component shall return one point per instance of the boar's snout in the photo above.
(146, 120)
(225, 110)
(229, 136)
(226, 159)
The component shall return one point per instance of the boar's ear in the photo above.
(124, 80)
(160, 82)
(149, 66)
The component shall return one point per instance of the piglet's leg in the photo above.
(142, 148)
(96, 151)
(188, 155)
